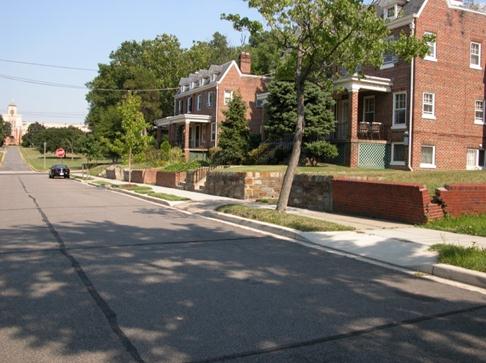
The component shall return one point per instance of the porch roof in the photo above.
(370, 83)
(182, 119)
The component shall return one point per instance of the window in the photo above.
(199, 102)
(432, 54)
(189, 105)
(400, 109)
(211, 96)
(213, 131)
(179, 107)
(475, 61)
(479, 112)
(427, 156)
(369, 109)
(228, 96)
(399, 154)
(475, 159)
(185, 88)
(428, 105)
(390, 12)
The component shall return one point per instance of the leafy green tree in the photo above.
(91, 148)
(319, 118)
(5, 130)
(33, 136)
(235, 134)
(318, 38)
(134, 138)
(69, 138)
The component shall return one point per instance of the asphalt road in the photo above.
(88, 275)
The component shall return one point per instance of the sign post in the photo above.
(45, 147)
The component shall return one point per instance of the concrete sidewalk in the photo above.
(388, 242)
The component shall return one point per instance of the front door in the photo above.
(195, 136)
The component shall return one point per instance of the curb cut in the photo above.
(449, 272)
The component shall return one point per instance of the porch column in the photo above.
(353, 128)
(186, 140)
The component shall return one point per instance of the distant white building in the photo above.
(18, 127)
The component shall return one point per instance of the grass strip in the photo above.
(468, 224)
(169, 197)
(473, 258)
(301, 223)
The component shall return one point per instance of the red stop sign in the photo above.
(60, 153)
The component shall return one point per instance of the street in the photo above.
(89, 275)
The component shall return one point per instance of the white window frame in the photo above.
(432, 45)
(365, 98)
(479, 121)
(227, 99)
(396, 125)
(427, 165)
(395, 12)
(471, 64)
(198, 102)
(189, 104)
(393, 161)
(213, 131)
(476, 162)
(180, 106)
(210, 102)
(426, 115)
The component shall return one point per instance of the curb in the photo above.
(456, 273)
(449, 272)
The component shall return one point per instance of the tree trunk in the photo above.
(283, 199)
(130, 166)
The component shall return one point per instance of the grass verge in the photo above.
(301, 223)
(468, 224)
(145, 190)
(473, 258)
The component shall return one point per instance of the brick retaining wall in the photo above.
(170, 179)
(460, 199)
(409, 203)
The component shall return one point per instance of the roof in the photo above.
(408, 7)
(206, 74)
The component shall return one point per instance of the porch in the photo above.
(190, 132)
(363, 115)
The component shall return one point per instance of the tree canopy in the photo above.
(5, 130)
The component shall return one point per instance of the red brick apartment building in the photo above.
(427, 114)
(201, 100)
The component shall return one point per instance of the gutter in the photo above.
(412, 98)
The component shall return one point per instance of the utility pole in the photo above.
(45, 147)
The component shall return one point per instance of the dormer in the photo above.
(390, 9)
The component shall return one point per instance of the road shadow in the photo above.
(226, 294)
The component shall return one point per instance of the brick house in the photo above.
(427, 114)
(201, 99)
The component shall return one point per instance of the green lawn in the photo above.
(36, 160)
(146, 190)
(300, 223)
(432, 179)
(467, 224)
(473, 258)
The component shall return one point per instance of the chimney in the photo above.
(245, 63)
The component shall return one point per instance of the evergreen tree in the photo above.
(319, 118)
(234, 138)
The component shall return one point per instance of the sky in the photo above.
(82, 33)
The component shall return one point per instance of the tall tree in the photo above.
(320, 37)
(319, 117)
(234, 139)
(33, 136)
(134, 138)
(5, 130)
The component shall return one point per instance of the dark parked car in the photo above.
(59, 170)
